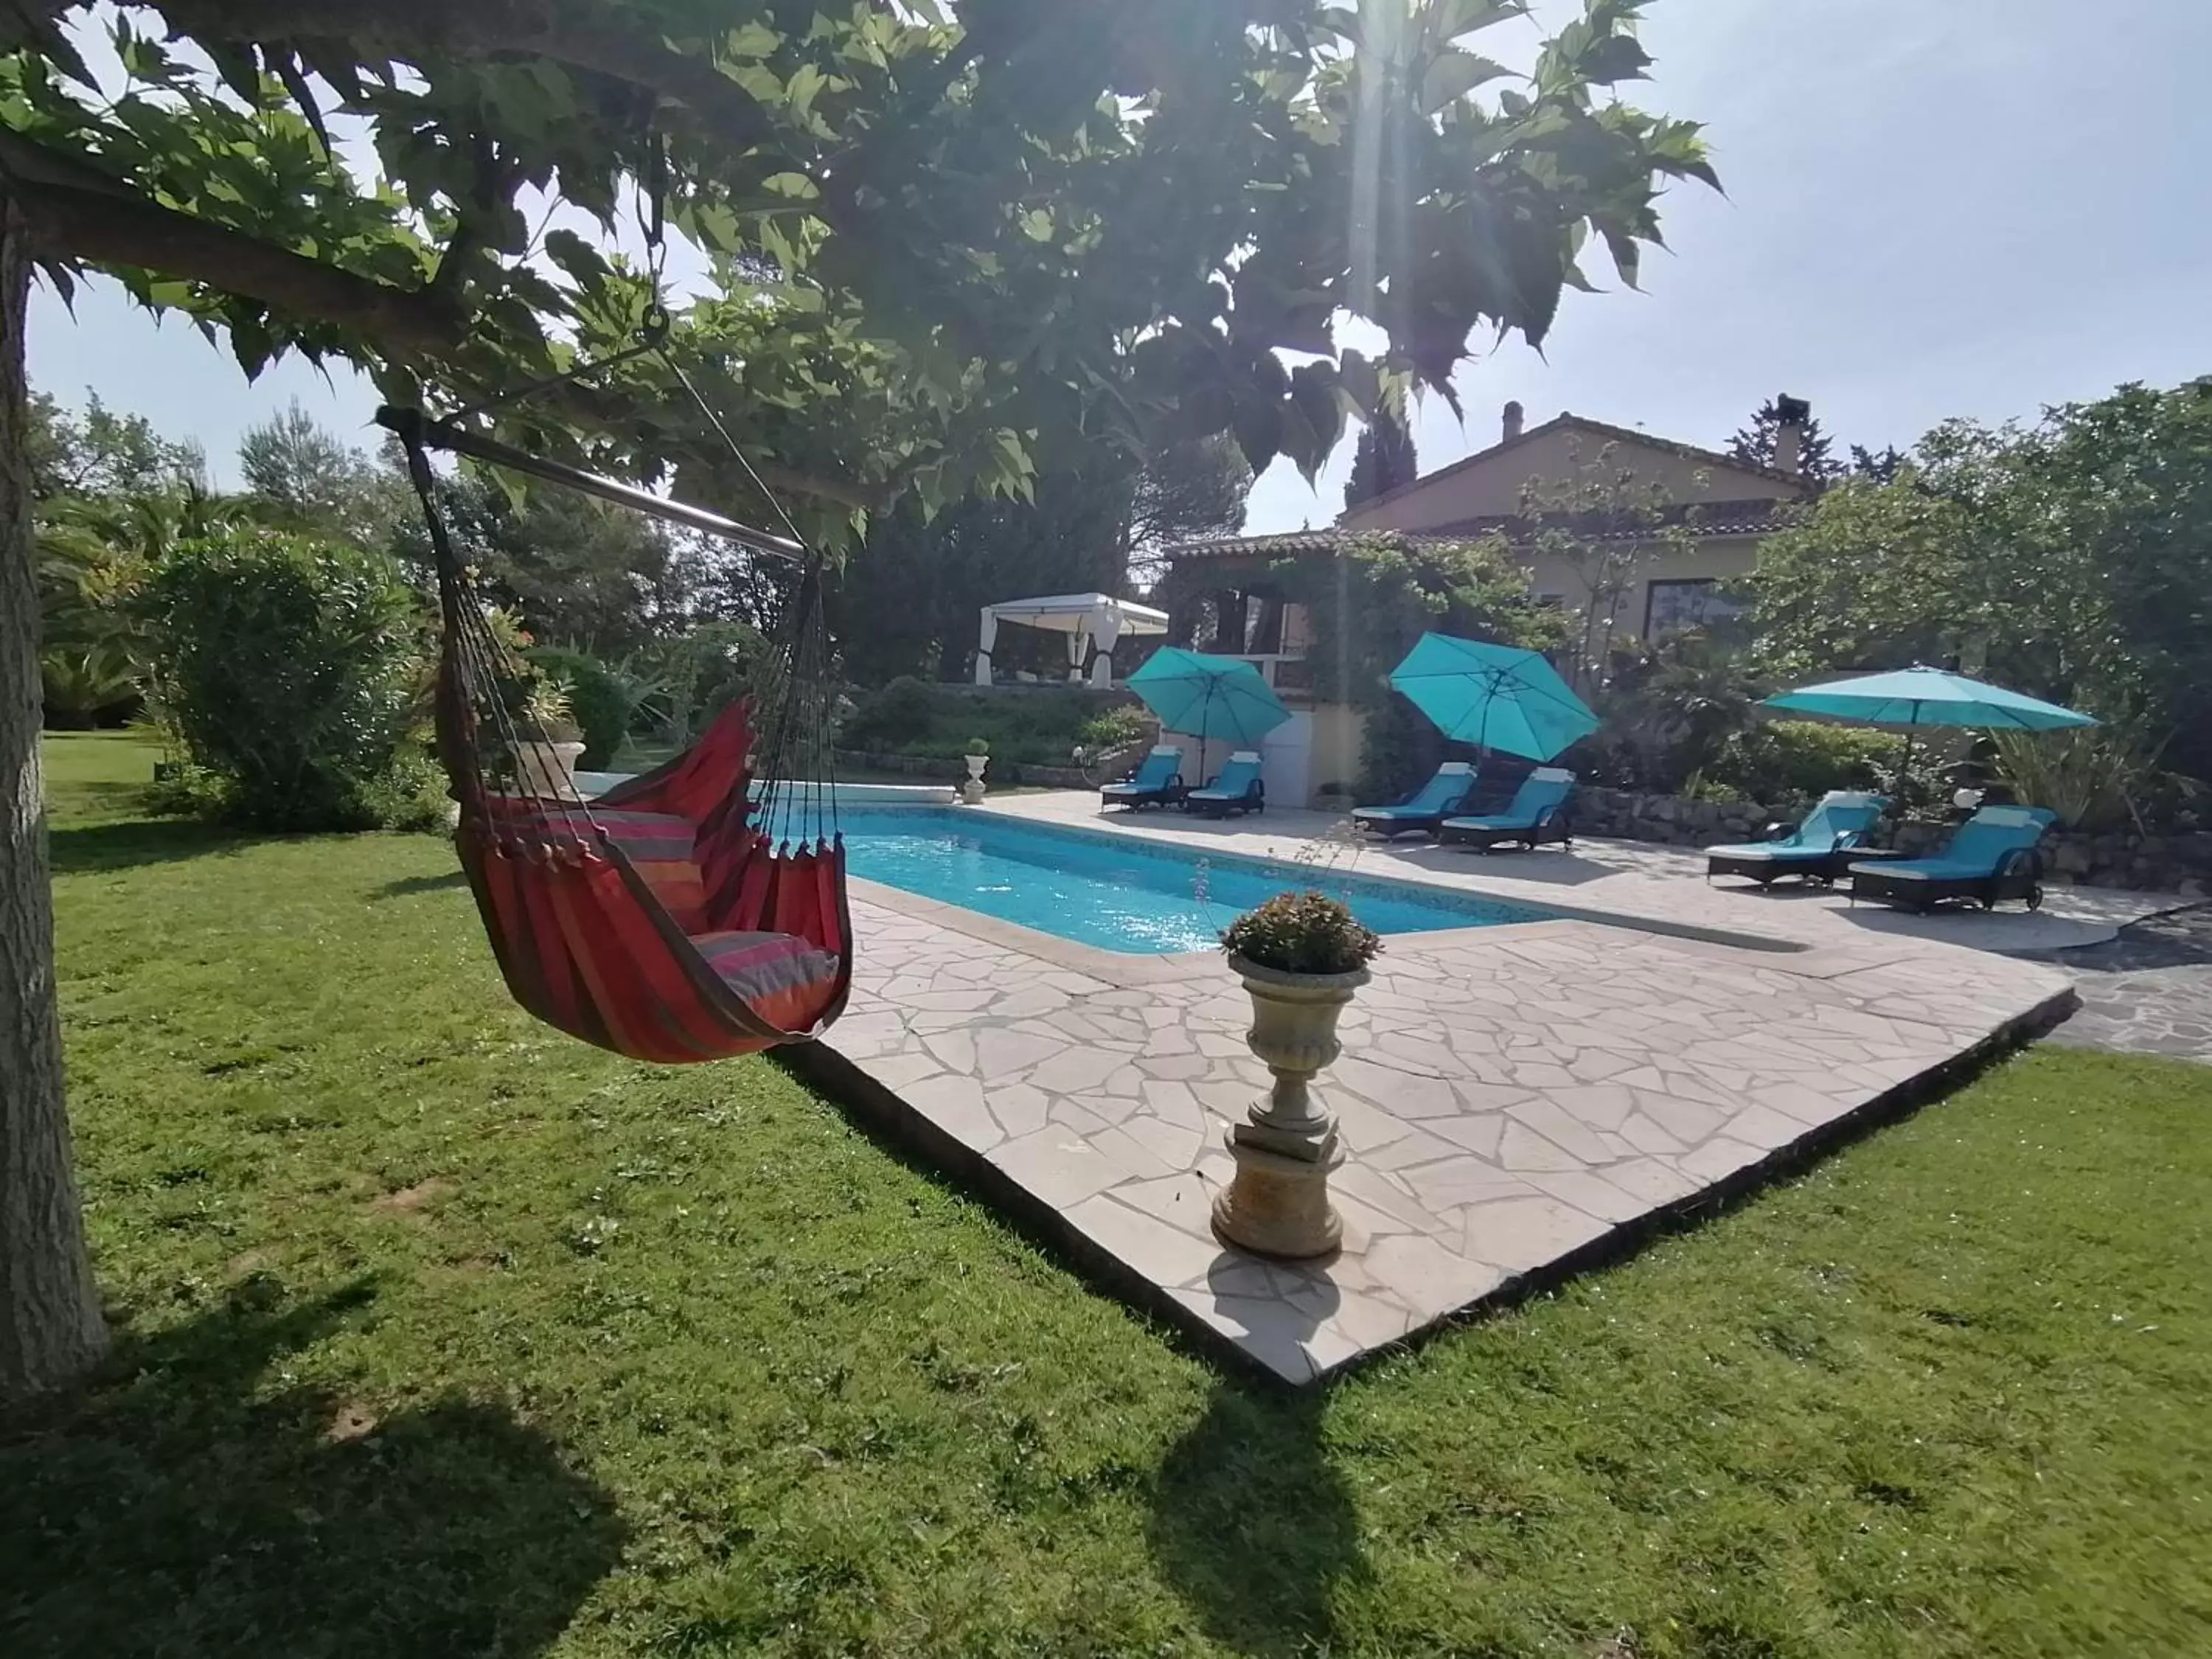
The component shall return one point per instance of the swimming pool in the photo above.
(1118, 893)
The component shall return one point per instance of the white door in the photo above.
(1286, 762)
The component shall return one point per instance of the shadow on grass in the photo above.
(409, 886)
(121, 846)
(1253, 1525)
(197, 1502)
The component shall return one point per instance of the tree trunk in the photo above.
(50, 1329)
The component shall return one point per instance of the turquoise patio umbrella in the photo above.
(1922, 696)
(1494, 696)
(1209, 697)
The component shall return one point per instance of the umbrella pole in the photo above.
(1904, 763)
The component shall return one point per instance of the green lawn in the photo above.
(443, 1336)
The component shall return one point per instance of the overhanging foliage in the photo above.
(934, 236)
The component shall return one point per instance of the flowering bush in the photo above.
(1306, 933)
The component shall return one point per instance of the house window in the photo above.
(1690, 602)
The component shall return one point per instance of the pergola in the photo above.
(1093, 618)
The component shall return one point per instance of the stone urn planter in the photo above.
(978, 758)
(548, 768)
(1277, 1203)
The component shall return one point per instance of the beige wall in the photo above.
(1339, 732)
(1720, 558)
(1494, 486)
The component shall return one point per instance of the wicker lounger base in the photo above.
(1486, 840)
(1386, 828)
(1814, 866)
(1924, 893)
(1221, 808)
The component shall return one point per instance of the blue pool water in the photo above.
(1115, 892)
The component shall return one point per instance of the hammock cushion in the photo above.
(779, 976)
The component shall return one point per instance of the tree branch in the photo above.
(579, 405)
(72, 208)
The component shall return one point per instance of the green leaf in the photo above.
(1453, 74)
(1447, 20)
(1037, 224)
(1313, 392)
(1202, 411)
(806, 81)
(755, 40)
(1258, 427)
(577, 259)
(1360, 379)
(1616, 59)
(1627, 256)
(53, 41)
(1301, 442)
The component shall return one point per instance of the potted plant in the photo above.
(547, 739)
(1301, 957)
(978, 756)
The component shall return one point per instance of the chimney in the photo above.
(1791, 415)
(1512, 420)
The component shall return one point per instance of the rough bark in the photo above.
(51, 1329)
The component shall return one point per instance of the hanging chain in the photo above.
(653, 221)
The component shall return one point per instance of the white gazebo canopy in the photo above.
(1086, 618)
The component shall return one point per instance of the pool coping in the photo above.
(1036, 942)
(1132, 970)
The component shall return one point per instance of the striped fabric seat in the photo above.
(692, 938)
(660, 847)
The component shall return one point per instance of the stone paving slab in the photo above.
(1509, 1096)
(2148, 991)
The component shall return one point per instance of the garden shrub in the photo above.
(291, 669)
(676, 686)
(600, 702)
(1787, 760)
(1116, 728)
(1400, 752)
(1042, 726)
(901, 712)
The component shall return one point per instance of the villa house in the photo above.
(1716, 509)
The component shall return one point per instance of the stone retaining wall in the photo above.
(2178, 862)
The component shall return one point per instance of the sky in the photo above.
(1932, 208)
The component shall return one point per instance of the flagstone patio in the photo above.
(1511, 1098)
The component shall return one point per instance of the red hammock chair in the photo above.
(660, 921)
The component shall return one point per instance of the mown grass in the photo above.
(441, 1334)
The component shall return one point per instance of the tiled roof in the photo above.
(1605, 429)
(1743, 518)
